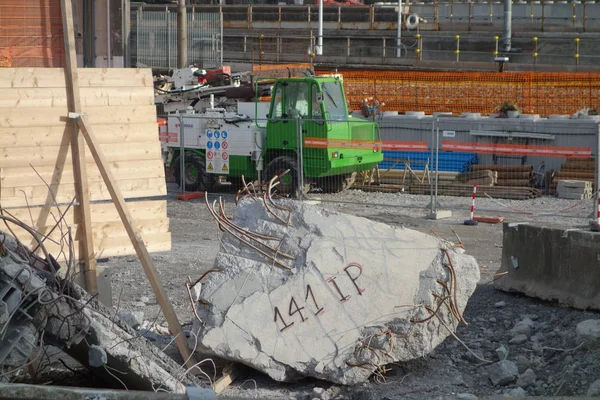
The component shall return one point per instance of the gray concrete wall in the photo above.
(552, 264)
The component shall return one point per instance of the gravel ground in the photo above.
(559, 364)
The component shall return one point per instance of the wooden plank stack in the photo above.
(463, 190)
(580, 169)
(484, 177)
(35, 138)
(509, 175)
(571, 189)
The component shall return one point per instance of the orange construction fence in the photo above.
(484, 92)
(31, 33)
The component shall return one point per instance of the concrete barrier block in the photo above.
(552, 264)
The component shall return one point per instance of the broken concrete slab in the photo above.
(337, 298)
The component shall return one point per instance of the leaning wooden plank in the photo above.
(88, 77)
(100, 230)
(90, 97)
(140, 247)
(78, 151)
(54, 175)
(52, 155)
(30, 136)
(55, 116)
(36, 195)
(101, 212)
(117, 246)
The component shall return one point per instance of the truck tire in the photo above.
(337, 183)
(289, 183)
(196, 177)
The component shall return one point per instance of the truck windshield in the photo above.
(335, 106)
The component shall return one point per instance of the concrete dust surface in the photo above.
(559, 364)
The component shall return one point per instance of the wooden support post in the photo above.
(136, 240)
(78, 152)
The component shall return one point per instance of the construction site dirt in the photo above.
(537, 337)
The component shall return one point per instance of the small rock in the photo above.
(319, 393)
(466, 396)
(138, 304)
(502, 372)
(500, 304)
(517, 392)
(594, 389)
(145, 299)
(589, 332)
(502, 352)
(97, 356)
(518, 339)
(492, 319)
(527, 379)
(134, 319)
(523, 327)
(522, 362)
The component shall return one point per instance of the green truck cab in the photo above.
(336, 145)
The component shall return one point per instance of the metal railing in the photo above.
(154, 37)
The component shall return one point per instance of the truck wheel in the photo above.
(337, 183)
(196, 177)
(289, 183)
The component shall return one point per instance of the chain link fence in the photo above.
(154, 37)
(433, 161)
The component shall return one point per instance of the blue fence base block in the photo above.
(448, 161)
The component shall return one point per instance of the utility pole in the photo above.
(507, 34)
(182, 60)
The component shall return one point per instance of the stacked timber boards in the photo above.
(34, 133)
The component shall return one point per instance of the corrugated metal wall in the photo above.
(31, 33)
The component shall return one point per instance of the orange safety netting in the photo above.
(484, 92)
(31, 33)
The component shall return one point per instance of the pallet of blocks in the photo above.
(575, 190)
(573, 169)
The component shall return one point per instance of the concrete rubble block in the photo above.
(589, 332)
(594, 389)
(502, 352)
(517, 392)
(502, 372)
(358, 294)
(134, 319)
(523, 327)
(518, 339)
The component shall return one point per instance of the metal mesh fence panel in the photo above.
(155, 33)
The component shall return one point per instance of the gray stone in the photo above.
(524, 327)
(97, 356)
(518, 339)
(145, 299)
(589, 332)
(500, 304)
(517, 392)
(346, 282)
(502, 352)
(594, 389)
(466, 396)
(320, 393)
(502, 372)
(492, 319)
(133, 319)
(526, 379)
(522, 362)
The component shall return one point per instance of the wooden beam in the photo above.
(78, 150)
(136, 240)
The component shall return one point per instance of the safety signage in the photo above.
(218, 159)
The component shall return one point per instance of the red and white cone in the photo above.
(471, 221)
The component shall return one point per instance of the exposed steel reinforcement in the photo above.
(484, 92)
